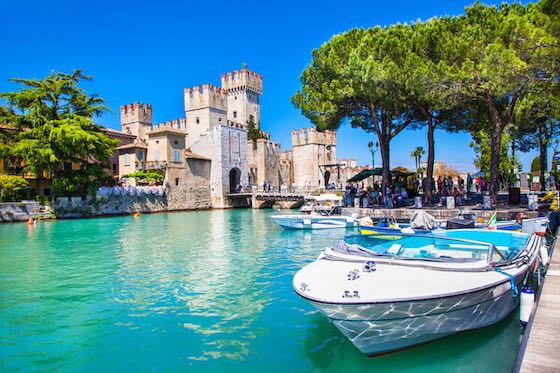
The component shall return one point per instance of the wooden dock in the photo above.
(542, 350)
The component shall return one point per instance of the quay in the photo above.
(405, 213)
(540, 348)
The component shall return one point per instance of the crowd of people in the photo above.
(399, 191)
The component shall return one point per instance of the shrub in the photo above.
(145, 176)
(12, 187)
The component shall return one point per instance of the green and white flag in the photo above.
(493, 222)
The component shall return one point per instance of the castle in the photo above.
(211, 143)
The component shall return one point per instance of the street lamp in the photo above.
(373, 148)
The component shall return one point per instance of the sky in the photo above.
(149, 51)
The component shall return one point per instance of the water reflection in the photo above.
(205, 274)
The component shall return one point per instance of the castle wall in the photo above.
(311, 149)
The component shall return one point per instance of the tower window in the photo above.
(127, 159)
(176, 181)
(235, 97)
(235, 114)
(197, 120)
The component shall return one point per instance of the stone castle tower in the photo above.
(312, 153)
(205, 106)
(136, 119)
(244, 90)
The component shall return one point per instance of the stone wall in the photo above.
(16, 211)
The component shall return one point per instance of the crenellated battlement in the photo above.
(243, 79)
(311, 135)
(205, 96)
(180, 124)
(136, 112)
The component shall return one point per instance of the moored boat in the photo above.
(314, 221)
(322, 213)
(423, 223)
(387, 295)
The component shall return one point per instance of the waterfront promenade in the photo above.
(542, 352)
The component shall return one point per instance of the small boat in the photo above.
(321, 214)
(388, 295)
(314, 221)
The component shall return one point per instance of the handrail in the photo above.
(491, 246)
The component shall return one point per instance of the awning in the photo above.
(397, 171)
(365, 174)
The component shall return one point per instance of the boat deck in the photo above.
(542, 353)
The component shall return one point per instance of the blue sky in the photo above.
(149, 51)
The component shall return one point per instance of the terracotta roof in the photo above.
(191, 155)
(161, 130)
(133, 145)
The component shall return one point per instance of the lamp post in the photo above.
(373, 148)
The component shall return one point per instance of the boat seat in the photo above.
(394, 249)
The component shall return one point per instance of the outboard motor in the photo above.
(460, 223)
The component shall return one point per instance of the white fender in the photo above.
(527, 302)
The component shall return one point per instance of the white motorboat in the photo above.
(388, 295)
(314, 221)
(321, 214)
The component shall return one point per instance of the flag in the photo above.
(493, 222)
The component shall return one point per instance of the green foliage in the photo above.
(147, 176)
(458, 73)
(417, 155)
(53, 122)
(253, 133)
(12, 187)
(536, 164)
(508, 163)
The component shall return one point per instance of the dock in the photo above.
(540, 348)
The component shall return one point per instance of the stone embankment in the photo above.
(16, 211)
(172, 199)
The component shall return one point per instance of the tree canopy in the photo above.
(53, 125)
(472, 72)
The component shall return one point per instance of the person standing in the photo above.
(439, 184)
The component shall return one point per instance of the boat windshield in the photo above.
(451, 246)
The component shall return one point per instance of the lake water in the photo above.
(192, 291)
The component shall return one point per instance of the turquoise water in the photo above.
(193, 291)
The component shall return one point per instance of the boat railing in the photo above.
(489, 252)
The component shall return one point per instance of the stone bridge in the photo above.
(261, 200)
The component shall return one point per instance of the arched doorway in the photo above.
(327, 177)
(234, 179)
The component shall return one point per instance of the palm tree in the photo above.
(417, 155)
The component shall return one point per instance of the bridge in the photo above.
(267, 200)
(261, 199)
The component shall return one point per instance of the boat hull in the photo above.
(314, 222)
(387, 327)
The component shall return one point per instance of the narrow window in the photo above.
(176, 181)
(140, 155)
(156, 156)
(235, 114)
(197, 120)
(176, 156)
(127, 159)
